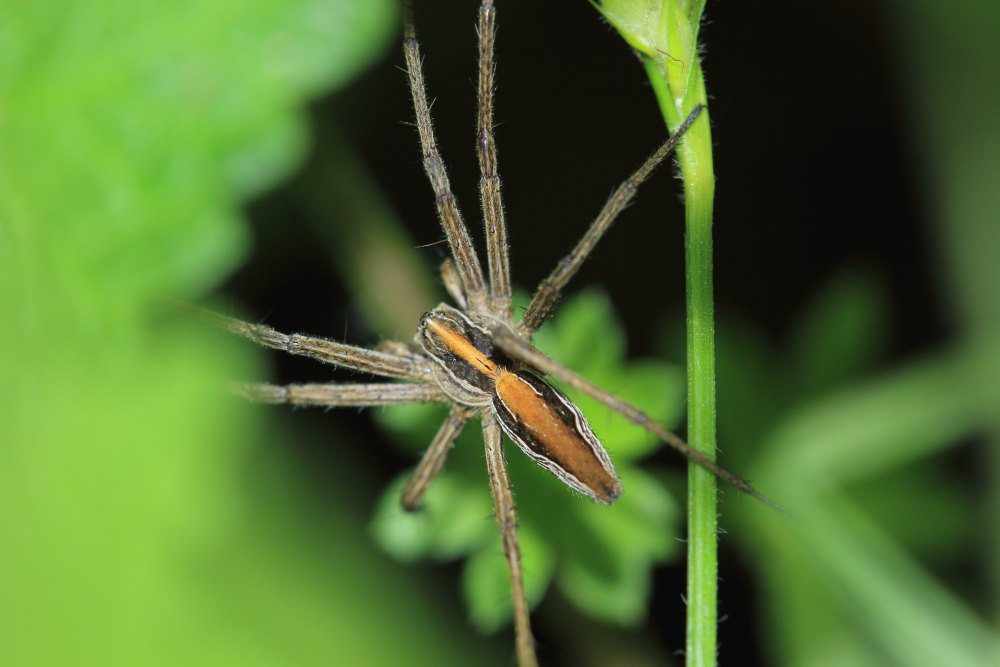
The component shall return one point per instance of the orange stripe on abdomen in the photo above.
(560, 442)
(463, 348)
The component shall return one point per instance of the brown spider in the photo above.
(476, 357)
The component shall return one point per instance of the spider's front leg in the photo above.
(334, 395)
(494, 223)
(474, 285)
(377, 362)
(551, 287)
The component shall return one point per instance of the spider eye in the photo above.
(426, 336)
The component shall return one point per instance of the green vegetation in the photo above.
(147, 517)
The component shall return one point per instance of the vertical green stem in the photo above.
(695, 158)
(665, 32)
(699, 188)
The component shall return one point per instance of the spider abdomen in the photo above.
(544, 423)
(552, 430)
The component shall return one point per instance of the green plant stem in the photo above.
(695, 158)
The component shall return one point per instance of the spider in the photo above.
(475, 357)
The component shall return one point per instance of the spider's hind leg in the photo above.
(506, 515)
(433, 460)
(517, 348)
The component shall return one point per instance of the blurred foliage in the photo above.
(843, 445)
(145, 517)
(609, 579)
(955, 112)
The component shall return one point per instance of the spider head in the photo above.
(466, 364)
(438, 330)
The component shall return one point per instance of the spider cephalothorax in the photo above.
(540, 419)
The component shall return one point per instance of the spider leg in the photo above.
(400, 349)
(453, 283)
(506, 514)
(518, 348)
(348, 356)
(341, 395)
(447, 207)
(433, 460)
(549, 289)
(497, 249)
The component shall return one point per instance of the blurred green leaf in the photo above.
(900, 608)
(131, 132)
(585, 334)
(753, 389)
(611, 580)
(840, 334)
(899, 502)
(833, 572)
(954, 105)
(486, 579)
(452, 523)
(863, 430)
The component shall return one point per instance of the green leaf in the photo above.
(584, 335)
(857, 434)
(899, 501)
(753, 391)
(656, 387)
(861, 431)
(610, 579)
(840, 334)
(486, 579)
(909, 614)
(412, 425)
(453, 522)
